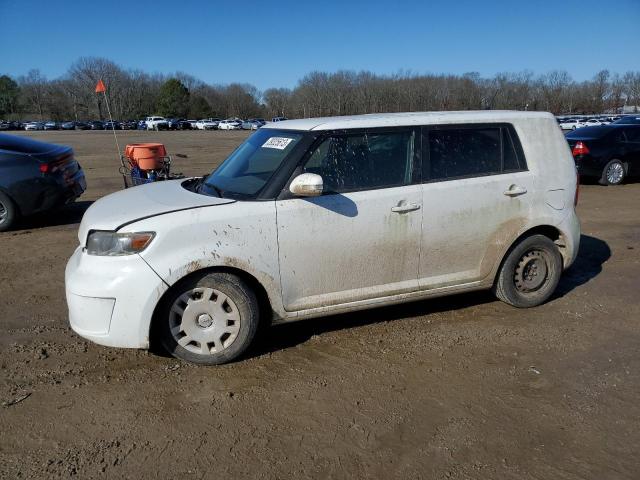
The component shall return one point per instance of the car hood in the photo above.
(126, 206)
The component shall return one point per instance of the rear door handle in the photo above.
(515, 190)
(406, 207)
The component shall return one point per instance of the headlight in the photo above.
(114, 244)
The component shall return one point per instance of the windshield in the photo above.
(246, 171)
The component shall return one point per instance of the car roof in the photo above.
(406, 119)
(594, 132)
(27, 145)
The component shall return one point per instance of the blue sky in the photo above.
(274, 43)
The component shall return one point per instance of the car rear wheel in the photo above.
(530, 272)
(8, 212)
(209, 320)
(613, 173)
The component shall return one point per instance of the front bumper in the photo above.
(111, 299)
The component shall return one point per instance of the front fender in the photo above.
(240, 235)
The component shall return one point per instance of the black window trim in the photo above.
(503, 126)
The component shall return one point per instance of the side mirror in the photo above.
(307, 185)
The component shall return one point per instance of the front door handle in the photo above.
(405, 207)
(515, 190)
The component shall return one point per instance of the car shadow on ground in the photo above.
(67, 215)
(281, 337)
(592, 253)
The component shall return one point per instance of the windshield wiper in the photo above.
(218, 191)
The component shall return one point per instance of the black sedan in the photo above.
(609, 153)
(178, 124)
(35, 177)
(628, 120)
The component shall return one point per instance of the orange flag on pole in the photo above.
(100, 87)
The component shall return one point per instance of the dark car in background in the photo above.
(609, 153)
(253, 124)
(178, 124)
(52, 126)
(96, 125)
(82, 126)
(68, 125)
(11, 125)
(36, 177)
(112, 125)
(628, 120)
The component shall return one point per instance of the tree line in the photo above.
(134, 94)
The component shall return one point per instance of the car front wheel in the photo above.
(530, 272)
(209, 319)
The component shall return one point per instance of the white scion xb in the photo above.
(326, 215)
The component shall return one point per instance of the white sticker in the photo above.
(279, 143)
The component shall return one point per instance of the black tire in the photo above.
(613, 179)
(518, 284)
(243, 305)
(8, 212)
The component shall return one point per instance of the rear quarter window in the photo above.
(452, 152)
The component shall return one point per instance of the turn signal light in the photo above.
(580, 149)
(44, 167)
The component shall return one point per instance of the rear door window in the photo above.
(470, 151)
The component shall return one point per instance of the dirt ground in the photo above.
(460, 387)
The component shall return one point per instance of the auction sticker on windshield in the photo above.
(279, 143)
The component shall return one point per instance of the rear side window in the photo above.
(458, 152)
(364, 161)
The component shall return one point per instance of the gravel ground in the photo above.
(460, 387)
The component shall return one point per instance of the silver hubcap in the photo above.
(204, 321)
(531, 271)
(615, 172)
(3, 212)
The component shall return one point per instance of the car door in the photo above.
(632, 149)
(360, 239)
(476, 197)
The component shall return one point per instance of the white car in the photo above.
(229, 125)
(319, 216)
(157, 123)
(593, 122)
(571, 124)
(34, 126)
(206, 125)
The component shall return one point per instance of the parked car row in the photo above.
(149, 123)
(228, 124)
(572, 123)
